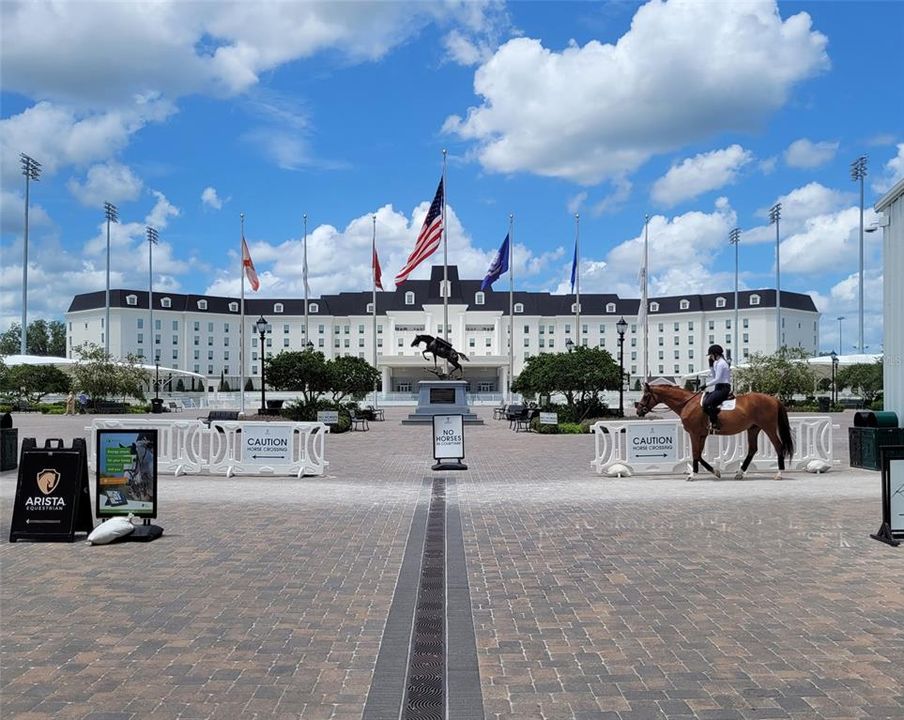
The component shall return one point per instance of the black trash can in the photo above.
(156, 405)
(824, 403)
(9, 443)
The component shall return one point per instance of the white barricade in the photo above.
(190, 447)
(812, 436)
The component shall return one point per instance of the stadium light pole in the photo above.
(734, 238)
(111, 214)
(153, 239)
(775, 216)
(31, 169)
(840, 343)
(858, 172)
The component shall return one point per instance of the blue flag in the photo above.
(499, 265)
(574, 266)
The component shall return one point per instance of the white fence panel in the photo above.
(813, 437)
(180, 448)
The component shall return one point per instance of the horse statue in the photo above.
(753, 412)
(439, 348)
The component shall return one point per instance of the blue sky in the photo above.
(700, 114)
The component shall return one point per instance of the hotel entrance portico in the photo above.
(485, 374)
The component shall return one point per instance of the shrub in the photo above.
(299, 411)
(572, 428)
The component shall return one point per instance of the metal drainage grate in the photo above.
(425, 686)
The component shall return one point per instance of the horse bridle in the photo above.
(650, 409)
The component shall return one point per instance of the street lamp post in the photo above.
(834, 356)
(858, 172)
(110, 214)
(31, 169)
(775, 216)
(734, 238)
(156, 380)
(263, 327)
(620, 328)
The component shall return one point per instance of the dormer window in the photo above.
(202, 304)
(166, 302)
(409, 298)
(654, 307)
(233, 307)
(519, 308)
(575, 307)
(131, 300)
(720, 302)
(684, 305)
(754, 299)
(313, 307)
(479, 298)
(370, 308)
(610, 307)
(277, 307)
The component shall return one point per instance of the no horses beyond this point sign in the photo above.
(448, 442)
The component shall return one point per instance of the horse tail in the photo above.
(784, 432)
(462, 355)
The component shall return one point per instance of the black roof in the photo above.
(427, 292)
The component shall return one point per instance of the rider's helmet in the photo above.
(715, 351)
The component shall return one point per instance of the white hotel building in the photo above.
(200, 333)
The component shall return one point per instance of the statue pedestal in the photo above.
(441, 397)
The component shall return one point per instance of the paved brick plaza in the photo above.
(591, 598)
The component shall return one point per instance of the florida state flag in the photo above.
(250, 272)
(378, 274)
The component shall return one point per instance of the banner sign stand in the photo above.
(891, 532)
(448, 442)
(53, 501)
(126, 478)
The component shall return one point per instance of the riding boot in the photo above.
(714, 426)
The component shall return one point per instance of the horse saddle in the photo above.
(727, 404)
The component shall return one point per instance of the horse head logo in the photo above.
(47, 481)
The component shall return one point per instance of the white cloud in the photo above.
(575, 203)
(613, 202)
(799, 206)
(805, 153)
(699, 174)
(163, 209)
(892, 172)
(210, 198)
(109, 182)
(601, 110)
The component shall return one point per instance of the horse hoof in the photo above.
(778, 476)
(718, 474)
(739, 475)
(690, 478)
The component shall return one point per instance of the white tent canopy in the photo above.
(64, 363)
(821, 365)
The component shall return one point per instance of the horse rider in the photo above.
(719, 381)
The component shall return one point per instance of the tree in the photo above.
(33, 382)
(37, 340)
(865, 379)
(180, 385)
(580, 376)
(782, 374)
(100, 376)
(351, 376)
(57, 342)
(250, 385)
(43, 338)
(11, 340)
(305, 371)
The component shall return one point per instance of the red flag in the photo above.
(250, 272)
(378, 273)
(428, 239)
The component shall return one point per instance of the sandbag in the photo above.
(111, 529)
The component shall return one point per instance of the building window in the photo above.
(745, 323)
(409, 298)
(360, 342)
(166, 302)
(720, 302)
(131, 299)
(346, 343)
(754, 299)
(139, 324)
(401, 342)
(602, 329)
(690, 326)
(677, 340)
(210, 354)
(602, 342)
(489, 342)
(690, 354)
(567, 328)
(175, 354)
(140, 338)
(445, 288)
(661, 342)
(210, 370)
(661, 355)
(526, 342)
(175, 339)
(479, 298)
(370, 308)
(575, 307)
(677, 354)
(654, 307)
(285, 342)
(233, 307)
(519, 308)
(202, 304)
(684, 305)
(197, 355)
(660, 327)
(472, 342)
(634, 342)
(157, 339)
(610, 307)
(746, 337)
(728, 324)
(277, 307)
(313, 307)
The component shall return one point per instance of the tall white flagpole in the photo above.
(445, 264)
(304, 272)
(645, 299)
(242, 325)
(511, 304)
(373, 274)
(577, 277)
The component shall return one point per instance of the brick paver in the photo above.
(591, 598)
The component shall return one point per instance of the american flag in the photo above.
(250, 272)
(428, 239)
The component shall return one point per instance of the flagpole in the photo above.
(645, 300)
(445, 264)
(577, 298)
(511, 304)
(373, 277)
(242, 325)
(304, 272)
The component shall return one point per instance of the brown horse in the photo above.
(753, 412)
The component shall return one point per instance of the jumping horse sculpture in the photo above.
(753, 412)
(439, 348)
